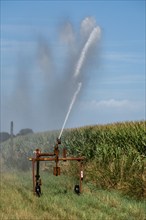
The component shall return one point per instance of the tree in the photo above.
(25, 131)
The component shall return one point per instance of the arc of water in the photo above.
(94, 35)
(70, 107)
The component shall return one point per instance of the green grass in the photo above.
(58, 200)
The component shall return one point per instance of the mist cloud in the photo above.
(43, 91)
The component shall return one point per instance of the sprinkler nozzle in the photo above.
(58, 140)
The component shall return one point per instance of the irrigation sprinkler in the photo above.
(54, 156)
(39, 156)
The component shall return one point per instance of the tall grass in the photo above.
(59, 202)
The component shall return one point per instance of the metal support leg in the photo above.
(33, 175)
(38, 181)
(81, 175)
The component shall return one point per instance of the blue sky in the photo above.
(115, 85)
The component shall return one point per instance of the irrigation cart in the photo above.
(54, 156)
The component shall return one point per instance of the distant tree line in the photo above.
(5, 135)
(25, 131)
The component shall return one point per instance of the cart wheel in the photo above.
(38, 190)
(77, 189)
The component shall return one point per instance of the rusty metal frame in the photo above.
(54, 157)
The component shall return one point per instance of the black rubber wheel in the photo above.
(77, 189)
(38, 190)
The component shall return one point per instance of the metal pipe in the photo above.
(81, 175)
(33, 175)
(54, 159)
(37, 170)
(46, 154)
